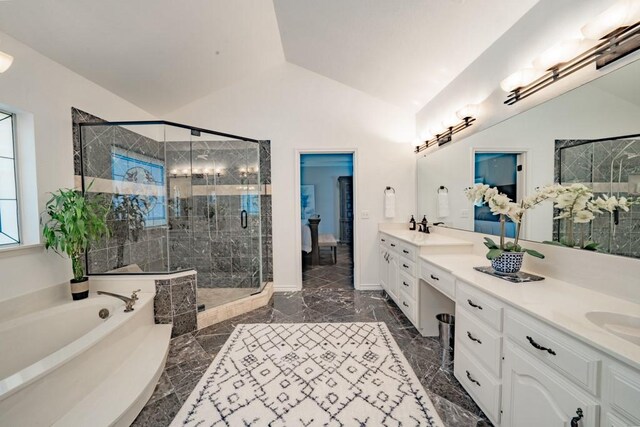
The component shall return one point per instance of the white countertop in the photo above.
(561, 304)
(423, 239)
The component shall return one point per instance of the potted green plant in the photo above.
(506, 257)
(74, 221)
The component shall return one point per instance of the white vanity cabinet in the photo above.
(524, 372)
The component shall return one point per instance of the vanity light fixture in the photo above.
(444, 136)
(5, 61)
(612, 35)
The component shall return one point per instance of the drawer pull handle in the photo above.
(382, 240)
(405, 283)
(405, 251)
(473, 380)
(435, 277)
(393, 246)
(472, 338)
(471, 303)
(405, 304)
(405, 265)
(539, 347)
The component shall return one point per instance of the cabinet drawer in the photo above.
(622, 391)
(480, 305)
(480, 384)
(482, 342)
(438, 278)
(575, 360)
(386, 240)
(408, 306)
(408, 285)
(408, 251)
(409, 267)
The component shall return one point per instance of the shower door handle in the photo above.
(243, 218)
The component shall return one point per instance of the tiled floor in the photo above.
(328, 275)
(191, 354)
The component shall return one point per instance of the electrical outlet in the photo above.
(364, 215)
(464, 213)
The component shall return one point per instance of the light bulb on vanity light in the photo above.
(560, 53)
(5, 61)
(449, 122)
(468, 111)
(621, 14)
(519, 79)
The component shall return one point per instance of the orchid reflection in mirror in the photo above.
(577, 207)
(506, 257)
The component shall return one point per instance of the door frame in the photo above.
(298, 213)
(524, 152)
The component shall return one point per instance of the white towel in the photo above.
(389, 204)
(443, 205)
(306, 239)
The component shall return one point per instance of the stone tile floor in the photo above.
(328, 275)
(191, 354)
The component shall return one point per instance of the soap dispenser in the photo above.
(412, 223)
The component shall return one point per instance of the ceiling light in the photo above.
(621, 14)
(519, 78)
(5, 61)
(560, 53)
(469, 110)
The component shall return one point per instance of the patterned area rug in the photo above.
(309, 374)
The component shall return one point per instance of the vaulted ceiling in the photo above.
(163, 54)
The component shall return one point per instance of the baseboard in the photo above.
(281, 288)
(368, 287)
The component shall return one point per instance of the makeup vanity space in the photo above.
(521, 350)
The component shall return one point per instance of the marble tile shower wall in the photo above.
(596, 163)
(146, 247)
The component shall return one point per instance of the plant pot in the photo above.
(508, 262)
(79, 288)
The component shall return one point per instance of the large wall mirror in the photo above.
(588, 136)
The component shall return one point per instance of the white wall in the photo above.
(298, 109)
(327, 194)
(584, 113)
(43, 90)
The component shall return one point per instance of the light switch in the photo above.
(464, 213)
(364, 214)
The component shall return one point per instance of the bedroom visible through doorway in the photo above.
(326, 207)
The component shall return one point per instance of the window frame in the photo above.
(12, 116)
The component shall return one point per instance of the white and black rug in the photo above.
(309, 374)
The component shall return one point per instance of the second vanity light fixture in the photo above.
(440, 136)
(612, 35)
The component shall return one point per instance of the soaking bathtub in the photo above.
(65, 365)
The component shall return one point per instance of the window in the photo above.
(9, 231)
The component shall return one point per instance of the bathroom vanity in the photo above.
(548, 351)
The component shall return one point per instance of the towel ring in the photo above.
(442, 187)
(389, 188)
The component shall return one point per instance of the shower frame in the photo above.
(194, 131)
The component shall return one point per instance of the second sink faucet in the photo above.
(129, 302)
(424, 225)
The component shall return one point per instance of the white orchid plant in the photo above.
(501, 204)
(577, 204)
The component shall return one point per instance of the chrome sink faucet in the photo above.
(128, 301)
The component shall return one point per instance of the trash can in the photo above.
(446, 335)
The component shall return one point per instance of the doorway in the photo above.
(505, 171)
(327, 220)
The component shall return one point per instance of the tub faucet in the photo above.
(128, 301)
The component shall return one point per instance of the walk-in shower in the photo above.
(179, 198)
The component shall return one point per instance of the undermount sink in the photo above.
(625, 326)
